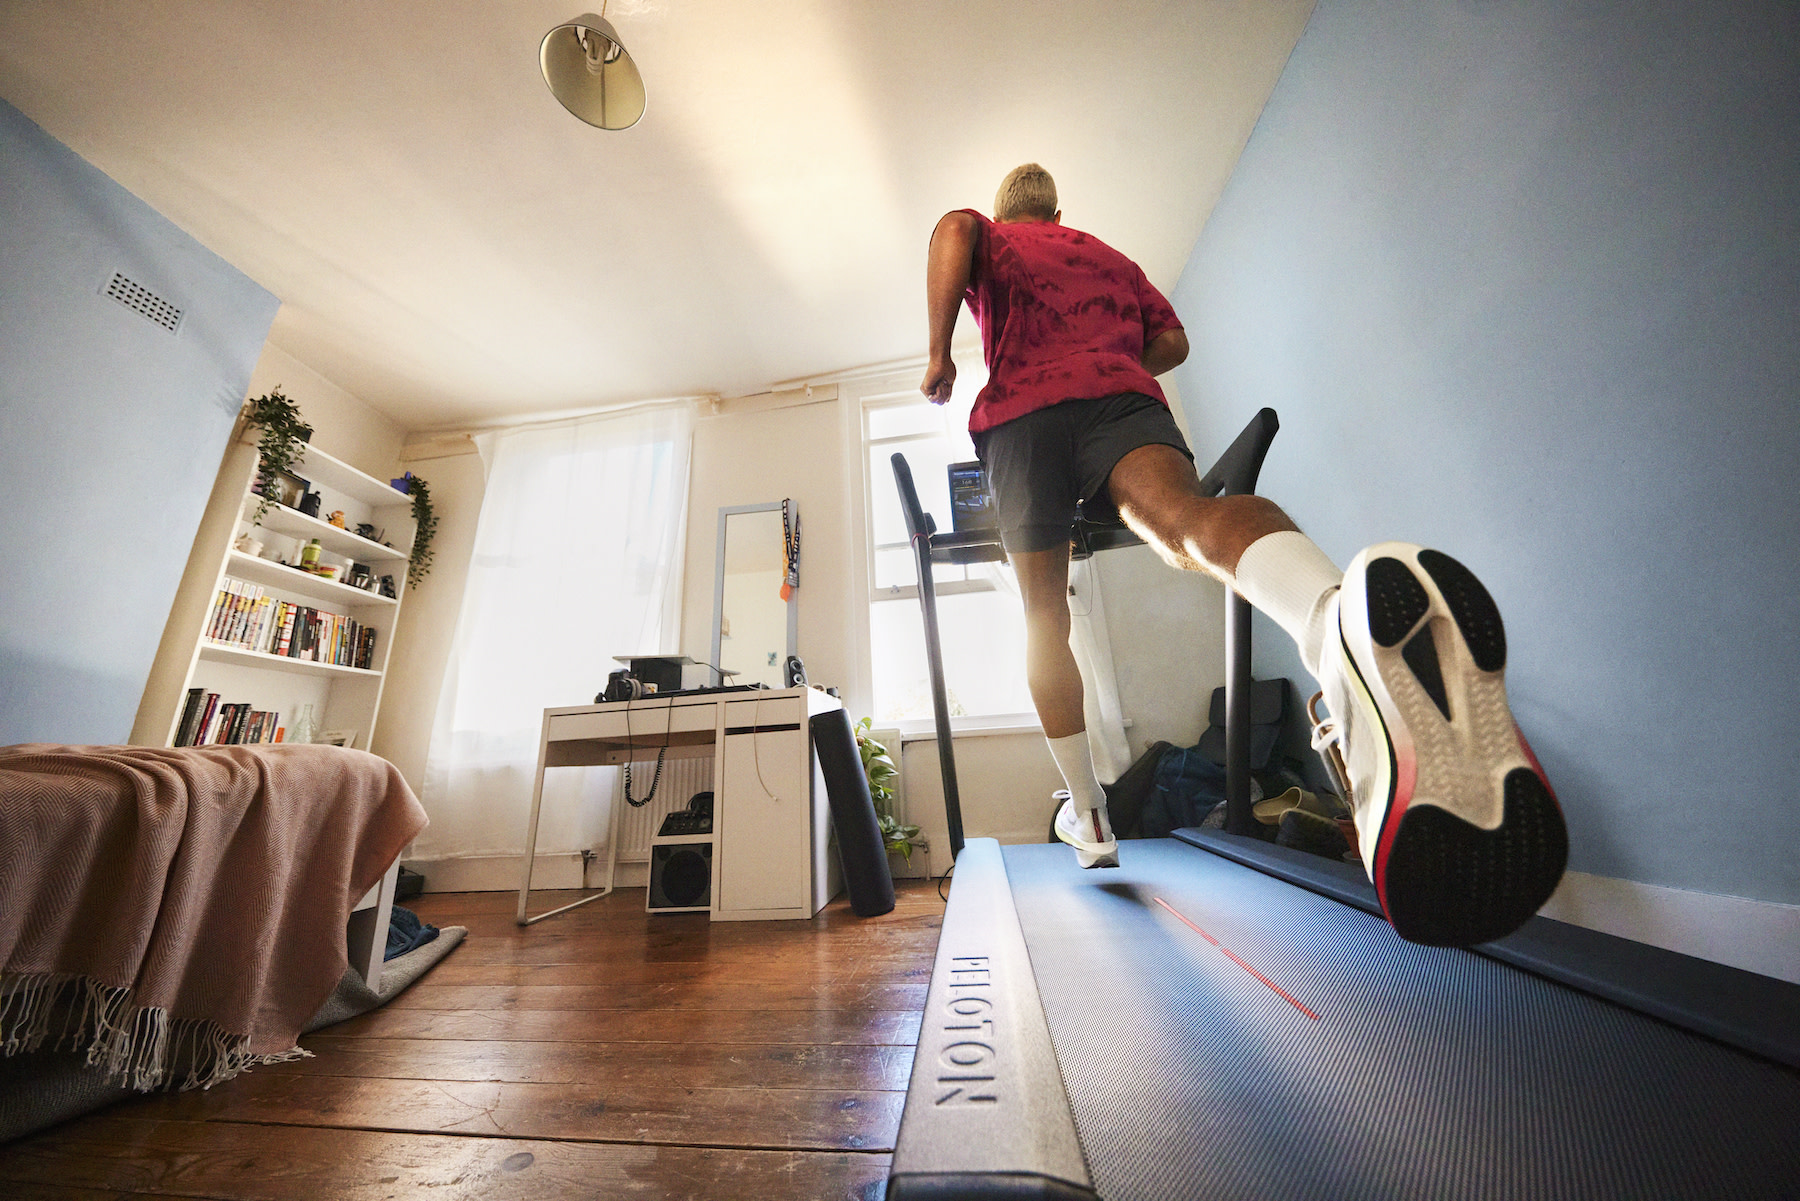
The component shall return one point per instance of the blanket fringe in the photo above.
(138, 1046)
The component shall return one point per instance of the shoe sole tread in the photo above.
(1447, 877)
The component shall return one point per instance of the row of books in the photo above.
(244, 616)
(205, 721)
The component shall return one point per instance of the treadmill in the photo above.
(1220, 1017)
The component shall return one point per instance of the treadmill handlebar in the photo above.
(1235, 472)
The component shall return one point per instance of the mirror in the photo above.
(754, 630)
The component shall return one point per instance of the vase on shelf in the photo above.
(303, 729)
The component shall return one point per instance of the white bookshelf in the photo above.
(343, 698)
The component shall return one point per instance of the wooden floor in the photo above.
(604, 1052)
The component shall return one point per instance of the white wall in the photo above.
(428, 618)
(344, 426)
(767, 448)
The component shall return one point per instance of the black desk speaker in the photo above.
(681, 875)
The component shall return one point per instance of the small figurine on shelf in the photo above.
(336, 518)
(303, 729)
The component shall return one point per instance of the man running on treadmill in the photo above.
(1458, 827)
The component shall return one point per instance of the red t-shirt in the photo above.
(1063, 316)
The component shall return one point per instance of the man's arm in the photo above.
(1169, 350)
(947, 268)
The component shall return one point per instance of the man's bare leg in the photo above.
(1050, 666)
(1245, 541)
(1056, 691)
(1158, 493)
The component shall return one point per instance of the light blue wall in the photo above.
(1522, 280)
(111, 433)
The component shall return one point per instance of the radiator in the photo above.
(681, 779)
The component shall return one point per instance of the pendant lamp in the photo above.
(589, 71)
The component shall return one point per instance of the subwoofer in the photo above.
(681, 875)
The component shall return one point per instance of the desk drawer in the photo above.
(784, 712)
(648, 722)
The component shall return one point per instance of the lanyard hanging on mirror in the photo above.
(790, 539)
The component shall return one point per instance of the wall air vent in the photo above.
(143, 301)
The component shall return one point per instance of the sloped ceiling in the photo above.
(454, 248)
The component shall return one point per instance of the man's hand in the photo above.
(940, 378)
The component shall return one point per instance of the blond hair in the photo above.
(1027, 193)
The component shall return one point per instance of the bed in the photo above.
(176, 915)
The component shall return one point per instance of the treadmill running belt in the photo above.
(1178, 988)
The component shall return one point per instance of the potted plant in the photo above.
(425, 520)
(284, 434)
(879, 767)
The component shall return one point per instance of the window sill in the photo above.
(925, 729)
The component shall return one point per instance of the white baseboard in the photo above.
(1758, 936)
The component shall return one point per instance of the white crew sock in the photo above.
(1290, 580)
(1076, 762)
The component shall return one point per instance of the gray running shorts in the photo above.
(1040, 465)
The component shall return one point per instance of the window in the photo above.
(980, 621)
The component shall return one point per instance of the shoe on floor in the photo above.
(1306, 831)
(1457, 825)
(1090, 833)
(1269, 810)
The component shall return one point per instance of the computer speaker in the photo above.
(681, 875)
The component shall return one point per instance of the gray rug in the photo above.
(352, 997)
(43, 1088)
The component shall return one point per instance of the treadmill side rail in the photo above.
(986, 1113)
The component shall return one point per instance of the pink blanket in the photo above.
(179, 912)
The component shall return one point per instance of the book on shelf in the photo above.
(247, 618)
(207, 721)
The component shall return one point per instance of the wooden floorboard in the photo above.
(605, 1052)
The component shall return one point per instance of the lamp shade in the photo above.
(588, 70)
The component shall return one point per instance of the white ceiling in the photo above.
(454, 248)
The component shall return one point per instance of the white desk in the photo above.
(772, 855)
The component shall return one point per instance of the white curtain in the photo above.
(577, 559)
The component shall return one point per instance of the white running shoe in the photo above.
(1090, 833)
(1457, 825)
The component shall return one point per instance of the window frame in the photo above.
(874, 593)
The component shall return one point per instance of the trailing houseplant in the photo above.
(425, 519)
(879, 767)
(284, 435)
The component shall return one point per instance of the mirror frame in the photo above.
(793, 600)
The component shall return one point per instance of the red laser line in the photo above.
(1228, 954)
